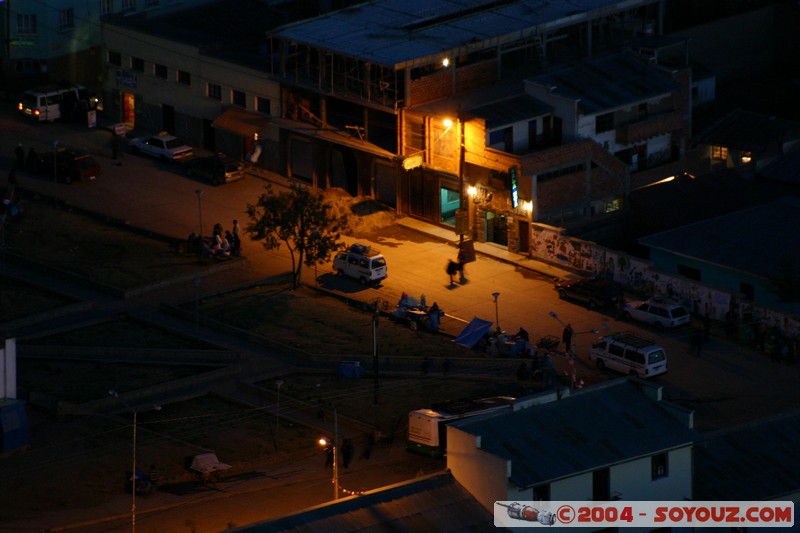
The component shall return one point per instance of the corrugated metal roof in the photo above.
(749, 131)
(434, 503)
(591, 429)
(785, 168)
(740, 241)
(608, 82)
(754, 462)
(393, 32)
(516, 109)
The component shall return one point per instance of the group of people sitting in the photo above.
(222, 243)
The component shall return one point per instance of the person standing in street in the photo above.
(566, 338)
(19, 151)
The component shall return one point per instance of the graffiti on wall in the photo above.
(550, 245)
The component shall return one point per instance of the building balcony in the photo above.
(652, 126)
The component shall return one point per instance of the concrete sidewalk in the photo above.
(447, 235)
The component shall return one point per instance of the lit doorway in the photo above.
(450, 202)
(128, 109)
(496, 228)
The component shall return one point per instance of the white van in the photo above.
(52, 102)
(361, 263)
(629, 354)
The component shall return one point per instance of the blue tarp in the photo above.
(471, 334)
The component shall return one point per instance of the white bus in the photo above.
(427, 428)
(55, 101)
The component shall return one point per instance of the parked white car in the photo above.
(361, 263)
(657, 312)
(167, 147)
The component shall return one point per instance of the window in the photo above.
(601, 485)
(160, 71)
(214, 91)
(262, 105)
(106, 7)
(541, 492)
(137, 63)
(747, 290)
(66, 18)
(604, 123)
(184, 77)
(114, 58)
(659, 466)
(128, 5)
(151, 3)
(26, 23)
(720, 153)
(690, 272)
(239, 99)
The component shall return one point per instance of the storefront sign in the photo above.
(412, 162)
(514, 187)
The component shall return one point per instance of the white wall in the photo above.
(633, 480)
(485, 476)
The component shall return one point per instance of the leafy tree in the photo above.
(301, 219)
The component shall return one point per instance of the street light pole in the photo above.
(278, 383)
(199, 193)
(496, 312)
(325, 442)
(55, 171)
(133, 466)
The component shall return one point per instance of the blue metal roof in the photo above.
(591, 429)
(514, 109)
(752, 240)
(753, 462)
(394, 32)
(608, 82)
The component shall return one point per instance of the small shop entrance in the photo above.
(496, 228)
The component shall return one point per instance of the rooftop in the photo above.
(433, 503)
(739, 240)
(726, 467)
(576, 434)
(403, 33)
(749, 131)
(608, 82)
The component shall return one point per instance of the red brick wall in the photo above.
(476, 75)
(432, 87)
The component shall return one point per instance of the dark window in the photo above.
(160, 71)
(496, 137)
(604, 123)
(532, 133)
(689, 272)
(26, 23)
(541, 492)
(262, 105)
(239, 99)
(184, 77)
(633, 355)
(659, 466)
(601, 485)
(137, 63)
(66, 18)
(616, 350)
(747, 290)
(114, 58)
(214, 91)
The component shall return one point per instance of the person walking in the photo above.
(452, 268)
(566, 338)
(19, 151)
(348, 450)
(237, 243)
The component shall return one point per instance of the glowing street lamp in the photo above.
(327, 442)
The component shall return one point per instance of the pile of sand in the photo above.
(364, 214)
